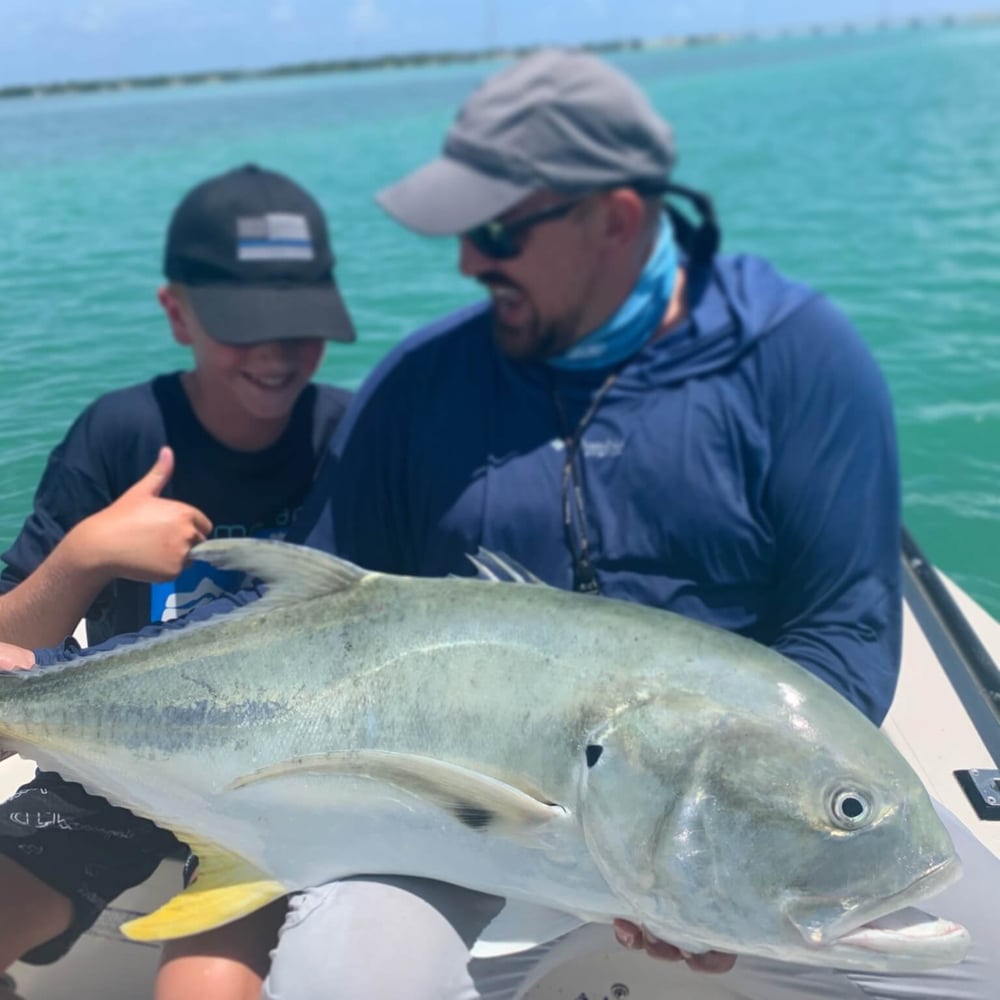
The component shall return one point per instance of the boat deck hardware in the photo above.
(982, 787)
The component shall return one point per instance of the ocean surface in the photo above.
(866, 164)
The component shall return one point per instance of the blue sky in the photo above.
(48, 40)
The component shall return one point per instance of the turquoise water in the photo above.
(868, 165)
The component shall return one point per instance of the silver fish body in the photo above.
(594, 757)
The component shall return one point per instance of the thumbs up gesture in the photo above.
(143, 536)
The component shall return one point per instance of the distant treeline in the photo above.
(441, 58)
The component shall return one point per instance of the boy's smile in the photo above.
(242, 394)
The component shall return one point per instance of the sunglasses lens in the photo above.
(492, 240)
(503, 242)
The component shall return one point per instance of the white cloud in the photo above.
(365, 16)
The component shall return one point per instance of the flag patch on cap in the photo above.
(275, 236)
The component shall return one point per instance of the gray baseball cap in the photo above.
(557, 119)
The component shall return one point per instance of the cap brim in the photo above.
(446, 198)
(251, 314)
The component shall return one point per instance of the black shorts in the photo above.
(81, 846)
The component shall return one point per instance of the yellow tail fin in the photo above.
(225, 889)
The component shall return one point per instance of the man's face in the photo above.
(542, 297)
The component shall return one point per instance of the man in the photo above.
(250, 291)
(627, 417)
(690, 432)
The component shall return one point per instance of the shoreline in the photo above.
(398, 61)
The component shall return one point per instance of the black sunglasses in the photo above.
(505, 240)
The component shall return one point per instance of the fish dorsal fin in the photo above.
(292, 573)
(479, 801)
(494, 566)
(225, 888)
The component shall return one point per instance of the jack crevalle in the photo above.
(584, 757)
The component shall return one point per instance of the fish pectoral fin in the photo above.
(522, 926)
(477, 800)
(225, 888)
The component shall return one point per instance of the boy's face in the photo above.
(257, 382)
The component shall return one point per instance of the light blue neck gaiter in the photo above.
(636, 319)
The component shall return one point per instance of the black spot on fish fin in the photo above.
(594, 754)
(292, 573)
(474, 817)
(477, 800)
(494, 566)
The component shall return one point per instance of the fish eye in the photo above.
(851, 808)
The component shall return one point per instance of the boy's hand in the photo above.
(630, 935)
(142, 536)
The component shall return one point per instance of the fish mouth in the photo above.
(906, 939)
(893, 933)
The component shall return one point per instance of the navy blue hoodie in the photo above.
(742, 471)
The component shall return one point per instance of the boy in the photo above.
(250, 290)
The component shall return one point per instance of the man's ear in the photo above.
(625, 216)
(173, 307)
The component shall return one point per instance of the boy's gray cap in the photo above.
(252, 249)
(557, 119)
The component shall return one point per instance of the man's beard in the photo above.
(530, 341)
(526, 343)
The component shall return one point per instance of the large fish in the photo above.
(585, 758)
